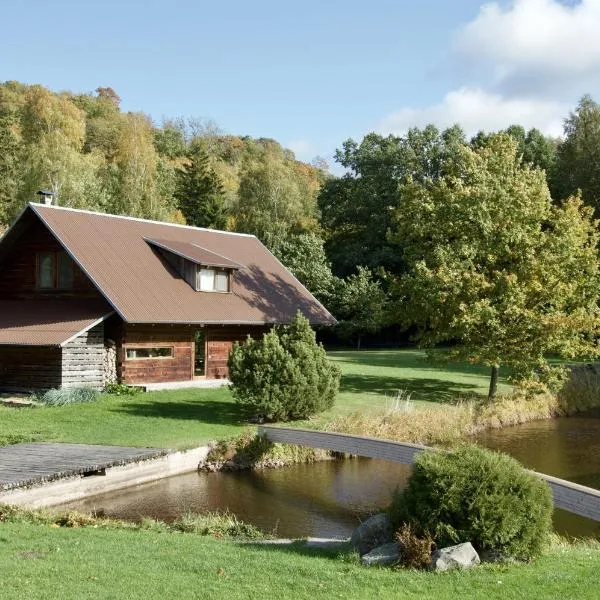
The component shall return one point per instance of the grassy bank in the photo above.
(450, 423)
(46, 563)
(188, 418)
(446, 403)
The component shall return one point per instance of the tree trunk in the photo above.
(493, 382)
(358, 341)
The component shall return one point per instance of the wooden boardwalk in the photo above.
(23, 465)
(569, 496)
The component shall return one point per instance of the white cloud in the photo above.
(303, 149)
(535, 45)
(474, 109)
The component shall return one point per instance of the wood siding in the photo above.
(18, 270)
(156, 370)
(29, 368)
(219, 341)
(83, 360)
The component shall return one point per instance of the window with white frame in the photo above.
(213, 280)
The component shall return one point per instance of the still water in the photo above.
(325, 499)
(328, 499)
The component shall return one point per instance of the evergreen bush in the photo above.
(285, 375)
(476, 495)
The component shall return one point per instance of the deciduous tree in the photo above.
(494, 267)
(304, 255)
(578, 156)
(356, 209)
(360, 305)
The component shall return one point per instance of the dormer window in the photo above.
(204, 270)
(213, 280)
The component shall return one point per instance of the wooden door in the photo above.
(217, 353)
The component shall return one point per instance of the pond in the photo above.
(328, 499)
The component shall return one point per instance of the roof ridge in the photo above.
(101, 214)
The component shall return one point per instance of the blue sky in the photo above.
(312, 74)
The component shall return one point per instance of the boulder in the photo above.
(461, 556)
(388, 554)
(372, 533)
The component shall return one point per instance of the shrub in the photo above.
(582, 390)
(285, 375)
(415, 551)
(63, 396)
(216, 524)
(476, 495)
(121, 389)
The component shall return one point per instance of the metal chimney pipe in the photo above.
(47, 197)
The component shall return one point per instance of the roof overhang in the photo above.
(48, 322)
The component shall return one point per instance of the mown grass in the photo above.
(44, 563)
(188, 418)
(371, 379)
(166, 419)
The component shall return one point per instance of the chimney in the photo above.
(46, 197)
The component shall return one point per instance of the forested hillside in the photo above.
(344, 237)
(93, 155)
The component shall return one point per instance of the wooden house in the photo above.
(87, 298)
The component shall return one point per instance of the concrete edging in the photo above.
(116, 478)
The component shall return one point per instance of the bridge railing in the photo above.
(569, 496)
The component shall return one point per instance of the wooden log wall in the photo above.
(218, 344)
(29, 368)
(156, 370)
(18, 271)
(83, 360)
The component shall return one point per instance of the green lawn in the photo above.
(169, 419)
(372, 378)
(188, 418)
(38, 562)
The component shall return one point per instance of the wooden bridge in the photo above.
(572, 497)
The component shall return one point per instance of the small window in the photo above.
(221, 281)
(45, 273)
(160, 352)
(64, 271)
(207, 280)
(54, 271)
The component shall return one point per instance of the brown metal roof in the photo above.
(47, 322)
(139, 284)
(195, 253)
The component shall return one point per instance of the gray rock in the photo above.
(372, 533)
(388, 554)
(461, 556)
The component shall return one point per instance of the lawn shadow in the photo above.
(405, 359)
(320, 549)
(427, 390)
(208, 411)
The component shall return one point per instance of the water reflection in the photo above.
(329, 498)
(322, 499)
(568, 448)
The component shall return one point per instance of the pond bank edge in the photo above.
(118, 477)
